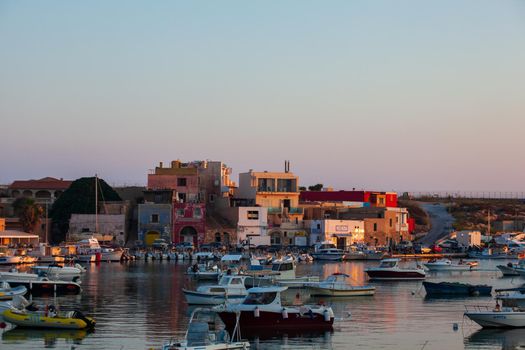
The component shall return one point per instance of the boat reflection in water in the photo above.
(317, 339)
(49, 336)
(505, 339)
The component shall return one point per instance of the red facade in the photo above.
(334, 196)
(189, 223)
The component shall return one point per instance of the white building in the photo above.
(252, 225)
(468, 238)
(342, 233)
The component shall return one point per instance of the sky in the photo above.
(383, 95)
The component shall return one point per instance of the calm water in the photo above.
(140, 305)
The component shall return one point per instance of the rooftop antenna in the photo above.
(96, 203)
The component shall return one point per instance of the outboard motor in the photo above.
(78, 314)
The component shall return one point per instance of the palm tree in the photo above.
(28, 212)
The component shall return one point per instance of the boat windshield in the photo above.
(282, 267)
(388, 264)
(260, 298)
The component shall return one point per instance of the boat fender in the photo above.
(326, 316)
(284, 312)
(256, 312)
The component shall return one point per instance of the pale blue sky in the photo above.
(392, 95)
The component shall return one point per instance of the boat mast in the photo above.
(96, 203)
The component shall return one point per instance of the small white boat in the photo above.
(282, 273)
(447, 265)
(499, 317)
(389, 269)
(64, 273)
(204, 272)
(7, 293)
(336, 286)
(13, 275)
(230, 289)
(202, 335)
(512, 297)
(329, 254)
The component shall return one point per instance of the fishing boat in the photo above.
(447, 265)
(89, 250)
(7, 293)
(336, 285)
(389, 269)
(512, 297)
(262, 310)
(48, 319)
(499, 317)
(456, 289)
(204, 272)
(511, 269)
(230, 289)
(203, 335)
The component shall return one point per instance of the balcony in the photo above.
(275, 210)
(293, 210)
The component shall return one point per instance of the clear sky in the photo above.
(391, 95)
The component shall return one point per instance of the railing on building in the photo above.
(275, 210)
(294, 210)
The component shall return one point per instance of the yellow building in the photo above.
(277, 191)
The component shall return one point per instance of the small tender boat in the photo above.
(64, 273)
(230, 289)
(262, 310)
(336, 286)
(389, 269)
(47, 319)
(204, 272)
(199, 336)
(447, 265)
(7, 293)
(456, 289)
(499, 317)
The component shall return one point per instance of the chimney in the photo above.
(160, 165)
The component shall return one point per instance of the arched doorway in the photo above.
(150, 237)
(188, 234)
(217, 237)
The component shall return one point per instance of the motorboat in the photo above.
(512, 297)
(7, 293)
(45, 286)
(389, 269)
(48, 318)
(336, 285)
(89, 250)
(499, 317)
(64, 273)
(262, 310)
(14, 275)
(329, 254)
(230, 289)
(202, 335)
(456, 289)
(447, 265)
(204, 272)
(510, 268)
(488, 253)
(282, 273)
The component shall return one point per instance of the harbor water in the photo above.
(140, 305)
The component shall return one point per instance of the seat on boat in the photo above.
(198, 334)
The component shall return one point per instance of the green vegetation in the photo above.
(79, 198)
(28, 212)
(317, 187)
(420, 216)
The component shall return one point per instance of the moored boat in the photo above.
(389, 269)
(230, 289)
(456, 289)
(336, 285)
(48, 319)
(7, 292)
(262, 310)
(499, 317)
(447, 265)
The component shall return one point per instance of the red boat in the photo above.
(389, 269)
(262, 310)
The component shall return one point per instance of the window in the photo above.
(390, 222)
(181, 181)
(260, 298)
(318, 226)
(375, 227)
(180, 213)
(154, 218)
(197, 213)
(253, 215)
(212, 198)
(84, 229)
(381, 201)
(236, 281)
(182, 197)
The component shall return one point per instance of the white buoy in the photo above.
(284, 313)
(256, 312)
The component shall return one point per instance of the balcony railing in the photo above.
(294, 210)
(275, 210)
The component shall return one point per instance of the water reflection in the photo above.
(48, 337)
(504, 339)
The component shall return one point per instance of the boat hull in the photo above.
(37, 288)
(198, 298)
(507, 271)
(248, 322)
(498, 319)
(395, 275)
(328, 257)
(36, 320)
(10, 293)
(456, 289)
(439, 267)
(327, 292)
(222, 346)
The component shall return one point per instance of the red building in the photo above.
(375, 199)
(189, 223)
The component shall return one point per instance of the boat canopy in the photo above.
(232, 257)
(267, 289)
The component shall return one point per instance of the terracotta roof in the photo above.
(46, 183)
